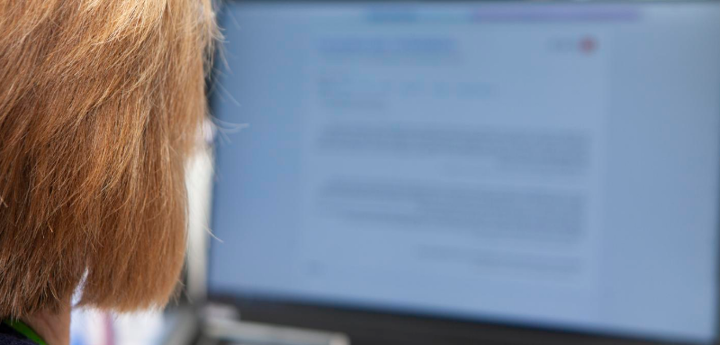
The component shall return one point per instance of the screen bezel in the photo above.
(380, 327)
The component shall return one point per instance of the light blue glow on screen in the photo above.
(540, 164)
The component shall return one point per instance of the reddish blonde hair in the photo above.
(100, 104)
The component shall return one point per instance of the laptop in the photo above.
(469, 172)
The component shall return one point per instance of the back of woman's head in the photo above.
(100, 104)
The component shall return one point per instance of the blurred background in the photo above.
(467, 172)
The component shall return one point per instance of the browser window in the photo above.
(551, 165)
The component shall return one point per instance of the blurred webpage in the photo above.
(540, 164)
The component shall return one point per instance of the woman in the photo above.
(100, 104)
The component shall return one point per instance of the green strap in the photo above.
(25, 330)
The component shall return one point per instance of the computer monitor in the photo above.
(455, 171)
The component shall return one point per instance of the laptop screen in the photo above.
(551, 165)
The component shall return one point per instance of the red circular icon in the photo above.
(588, 45)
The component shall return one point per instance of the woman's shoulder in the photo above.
(7, 339)
(9, 336)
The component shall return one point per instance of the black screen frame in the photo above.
(367, 326)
